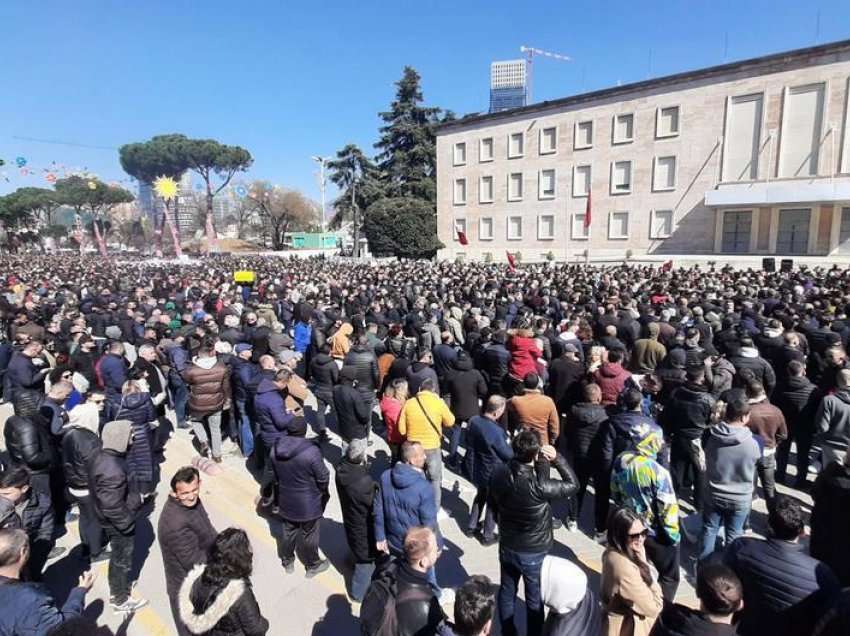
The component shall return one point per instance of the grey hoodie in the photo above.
(832, 421)
(731, 453)
(116, 436)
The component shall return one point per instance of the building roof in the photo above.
(774, 62)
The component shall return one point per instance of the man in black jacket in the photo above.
(784, 588)
(80, 443)
(356, 490)
(185, 534)
(496, 359)
(565, 376)
(798, 398)
(684, 420)
(352, 410)
(747, 361)
(26, 509)
(116, 504)
(465, 386)
(830, 519)
(28, 442)
(26, 371)
(521, 499)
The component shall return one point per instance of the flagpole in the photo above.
(587, 218)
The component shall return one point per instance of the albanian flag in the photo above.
(461, 237)
(511, 261)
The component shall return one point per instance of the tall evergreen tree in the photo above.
(407, 156)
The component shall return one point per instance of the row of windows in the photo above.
(620, 180)
(660, 226)
(622, 132)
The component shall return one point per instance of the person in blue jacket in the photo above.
(27, 609)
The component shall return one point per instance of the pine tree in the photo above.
(353, 169)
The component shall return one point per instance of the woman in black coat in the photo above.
(216, 598)
(137, 407)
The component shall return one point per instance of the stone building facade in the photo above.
(751, 157)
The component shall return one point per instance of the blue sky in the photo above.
(290, 80)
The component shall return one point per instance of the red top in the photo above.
(524, 352)
(391, 409)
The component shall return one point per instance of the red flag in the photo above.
(461, 237)
(511, 261)
(587, 211)
(666, 266)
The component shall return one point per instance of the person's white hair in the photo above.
(231, 321)
(222, 346)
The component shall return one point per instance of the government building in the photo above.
(751, 157)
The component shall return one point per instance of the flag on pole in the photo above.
(587, 211)
(666, 266)
(461, 237)
(511, 261)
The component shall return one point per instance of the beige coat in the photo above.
(631, 606)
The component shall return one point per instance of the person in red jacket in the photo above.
(524, 354)
(611, 378)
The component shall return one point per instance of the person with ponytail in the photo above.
(631, 598)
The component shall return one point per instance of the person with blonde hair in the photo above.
(392, 403)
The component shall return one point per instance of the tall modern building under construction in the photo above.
(508, 85)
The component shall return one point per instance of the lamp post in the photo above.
(322, 161)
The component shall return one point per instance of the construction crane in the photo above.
(530, 52)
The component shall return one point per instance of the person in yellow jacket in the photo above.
(422, 419)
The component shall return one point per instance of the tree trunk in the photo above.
(211, 242)
(101, 243)
(175, 235)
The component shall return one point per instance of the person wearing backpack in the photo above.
(401, 601)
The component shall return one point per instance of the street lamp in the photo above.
(322, 161)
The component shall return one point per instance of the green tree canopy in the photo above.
(353, 170)
(161, 156)
(90, 195)
(402, 226)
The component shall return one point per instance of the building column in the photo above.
(755, 216)
(835, 227)
(814, 223)
(774, 230)
(718, 230)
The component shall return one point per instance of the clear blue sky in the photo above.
(288, 80)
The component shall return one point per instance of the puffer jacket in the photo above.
(406, 499)
(28, 442)
(365, 366)
(611, 378)
(748, 360)
(832, 420)
(302, 477)
(270, 411)
(36, 518)
(138, 409)
(325, 374)
(522, 501)
(784, 588)
(584, 432)
(115, 499)
(356, 490)
(79, 446)
(231, 611)
(798, 399)
(488, 448)
(29, 611)
(208, 380)
(496, 361)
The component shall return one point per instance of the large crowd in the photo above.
(678, 395)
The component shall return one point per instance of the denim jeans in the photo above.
(480, 504)
(246, 435)
(513, 566)
(213, 420)
(120, 561)
(360, 579)
(434, 468)
(180, 396)
(730, 516)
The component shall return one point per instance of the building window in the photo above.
(546, 227)
(581, 181)
(485, 149)
(667, 122)
(548, 140)
(515, 186)
(579, 231)
(664, 174)
(661, 224)
(514, 228)
(742, 137)
(623, 129)
(516, 143)
(485, 190)
(460, 154)
(547, 184)
(618, 225)
(460, 226)
(485, 229)
(460, 192)
(802, 130)
(583, 135)
(621, 177)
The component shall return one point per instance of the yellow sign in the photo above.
(244, 276)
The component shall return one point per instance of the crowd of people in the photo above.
(679, 396)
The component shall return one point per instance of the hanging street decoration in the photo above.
(165, 187)
(20, 162)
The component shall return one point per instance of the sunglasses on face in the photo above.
(639, 535)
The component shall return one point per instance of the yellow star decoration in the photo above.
(165, 187)
(92, 185)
